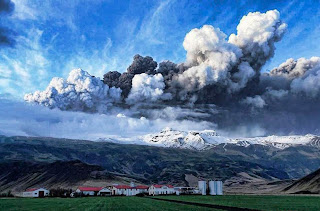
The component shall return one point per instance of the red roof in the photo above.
(90, 188)
(129, 187)
(31, 189)
(160, 186)
(122, 186)
(141, 187)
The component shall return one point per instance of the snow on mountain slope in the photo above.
(280, 142)
(180, 139)
(200, 140)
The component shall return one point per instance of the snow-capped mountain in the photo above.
(200, 140)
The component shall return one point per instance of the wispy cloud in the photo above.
(41, 121)
(26, 63)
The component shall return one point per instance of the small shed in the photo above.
(36, 192)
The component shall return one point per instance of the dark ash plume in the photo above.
(220, 83)
(142, 65)
(123, 81)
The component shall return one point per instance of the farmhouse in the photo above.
(132, 191)
(36, 192)
(161, 189)
(119, 190)
(89, 191)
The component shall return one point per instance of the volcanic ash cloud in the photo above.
(80, 91)
(220, 82)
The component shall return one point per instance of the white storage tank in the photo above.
(212, 187)
(215, 188)
(202, 187)
(219, 188)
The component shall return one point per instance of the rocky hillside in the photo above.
(20, 175)
(308, 184)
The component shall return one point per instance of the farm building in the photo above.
(89, 191)
(119, 190)
(136, 190)
(129, 190)
(185, 190)
(161, 189)
(104, 192)
(36, 192)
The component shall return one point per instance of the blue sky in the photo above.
(54, 37)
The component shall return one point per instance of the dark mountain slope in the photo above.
(19, 175)
(148, 164)
(307, 184)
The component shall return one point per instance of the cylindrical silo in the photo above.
(202, 187)
(219, 188)
(212, 188)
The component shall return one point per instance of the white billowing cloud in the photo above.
(296, 68)
(309, 83)
(256, 34)
(214, 60)
(19, 118)
(241, 77)
(303, 75)
(255, 101)
(209, 55)
(80, 92)
(208, 45)
(197, 77)
(147, 88)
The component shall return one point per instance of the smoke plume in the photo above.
(79, 92)
(220, 82)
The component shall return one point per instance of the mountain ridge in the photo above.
(206, 139)
(151, 164)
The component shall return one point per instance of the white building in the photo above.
(36, 192)
(215, 188)
(202, 185)
(104, 192)
(129, 190)
(89, 191)
(186, 190)
(119, 190)
(161, 189)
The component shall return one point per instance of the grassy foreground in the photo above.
(142, 203)
(256, 202)
(93, 203)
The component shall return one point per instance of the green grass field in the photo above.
(256, 202)
(143, 203)
(93, 203)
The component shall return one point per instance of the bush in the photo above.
(60, 192)
(141, 194)
(8, 194)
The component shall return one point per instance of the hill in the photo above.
(53, 159)
(308, 184)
